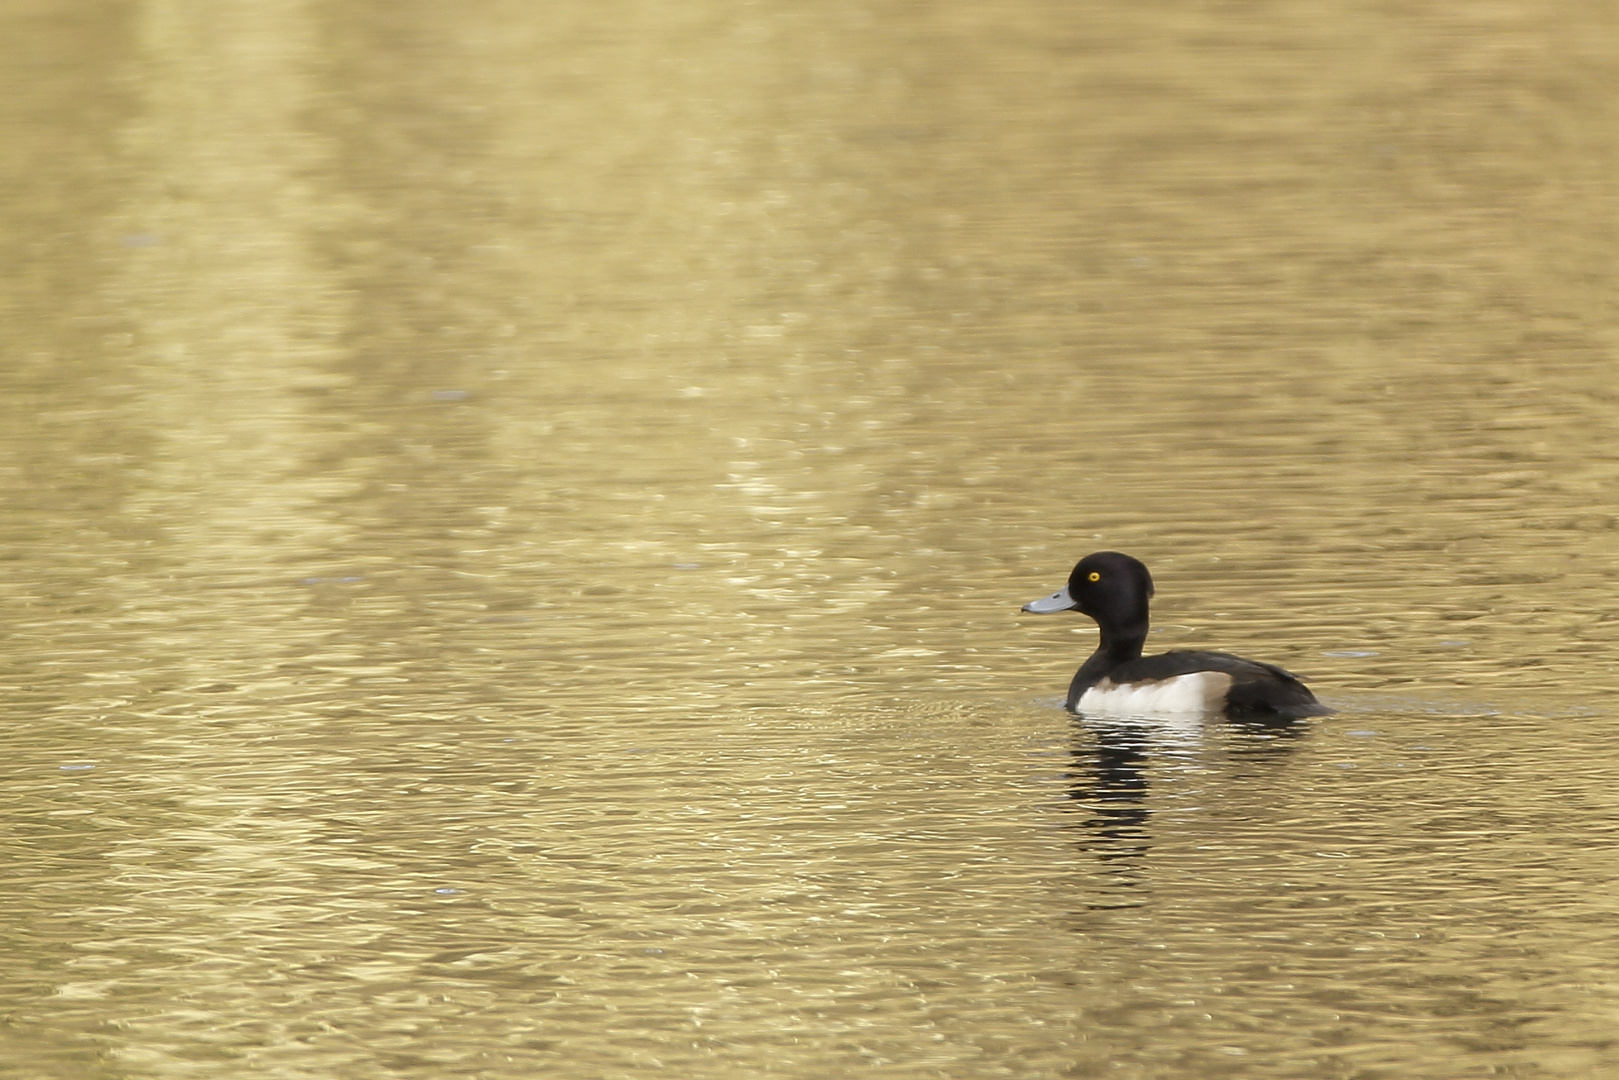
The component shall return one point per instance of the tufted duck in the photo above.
(1117, 680)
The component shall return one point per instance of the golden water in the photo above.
(515, 515)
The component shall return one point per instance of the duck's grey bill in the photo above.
(1057, 601)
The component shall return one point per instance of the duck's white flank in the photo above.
(1179, 695)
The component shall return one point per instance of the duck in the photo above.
(1114, 588)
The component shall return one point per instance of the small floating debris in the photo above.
(1352, 654)
(77, 766)
(449, 395)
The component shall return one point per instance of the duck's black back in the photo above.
(1255, 687)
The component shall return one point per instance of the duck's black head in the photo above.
(1111, 588)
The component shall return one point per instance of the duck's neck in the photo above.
(1111, 651)
(1121, 648)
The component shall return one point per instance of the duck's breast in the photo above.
(1178, 695)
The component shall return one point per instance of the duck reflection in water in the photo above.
(1109, 784)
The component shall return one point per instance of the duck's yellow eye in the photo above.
(1095, 576)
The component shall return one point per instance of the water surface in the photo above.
(516, 516)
